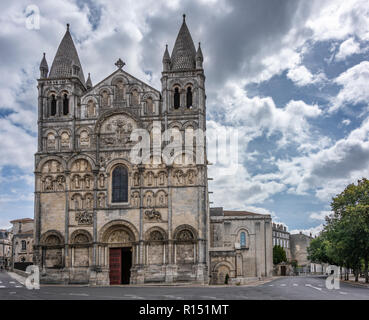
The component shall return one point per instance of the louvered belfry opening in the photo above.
(53, 106)
(176, 98)
(120, 184)
(65, 104)
(189, 98)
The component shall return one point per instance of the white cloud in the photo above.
(16, 145)
(354, 83)
(328, 171)
(301, 76)
(339, 19)
(348, 48)
(314, 231)
(319, 215)
(346, 122)
(255, 116)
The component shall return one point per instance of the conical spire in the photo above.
(166, 56)
(184, 52)
(44, 68)
(166, 59)
(88, 82)
(66, 62)
(199, 57)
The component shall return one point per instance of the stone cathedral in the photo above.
(99, 218)
(102, 218)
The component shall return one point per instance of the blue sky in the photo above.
(291, 76)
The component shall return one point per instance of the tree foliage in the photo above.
(345, 238)
(279, 255)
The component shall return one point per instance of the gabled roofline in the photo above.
(124, 72)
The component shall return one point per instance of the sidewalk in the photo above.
(360, 283)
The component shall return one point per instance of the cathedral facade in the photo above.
(100, 217)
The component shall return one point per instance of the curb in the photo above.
(356, 284)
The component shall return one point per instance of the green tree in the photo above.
(347, 228)
(279, 255)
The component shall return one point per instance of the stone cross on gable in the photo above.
(120, 64)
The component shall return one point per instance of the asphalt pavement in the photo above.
(283, 288)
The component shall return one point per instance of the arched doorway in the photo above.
(119, 239)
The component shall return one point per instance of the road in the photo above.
(284, 288)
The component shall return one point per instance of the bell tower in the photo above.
(59, 93)
(183, 107)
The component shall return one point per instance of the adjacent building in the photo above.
(299, 244)
(5, 248)
(240, 246)
(22, 242)
(281, 237)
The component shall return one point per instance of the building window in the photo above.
(24, 245)
(53, 106)
(176, 98)
(189, 98)
(65, 105)
(243, 239)
(120, 184)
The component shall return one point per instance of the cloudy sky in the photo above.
(291, 76)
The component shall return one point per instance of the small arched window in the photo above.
(176, 98)
(53, 105)
(120, 184)
(189, 97)
(243, 239)
(65, 104)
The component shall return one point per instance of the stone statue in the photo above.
(134, 98)
(105, 101)
(76, 182)
(120, 91)
(101, 199)
(60, 183)
(90, 108)
(101, 180)
(87, 181)
(136, 179)
(161, 178)
(48, 184)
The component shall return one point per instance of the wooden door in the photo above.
(115, 264)
(283, 270)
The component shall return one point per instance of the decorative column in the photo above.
(66, 192)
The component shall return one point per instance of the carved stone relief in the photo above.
(116, 130)
(120, 236)
(65, 140)
(51, 141)
(153, 215)
(84, 218)
(84, 139)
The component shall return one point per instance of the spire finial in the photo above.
(44, 54)
(184, 18)
(67, 26)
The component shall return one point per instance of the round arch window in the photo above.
(120, 184)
